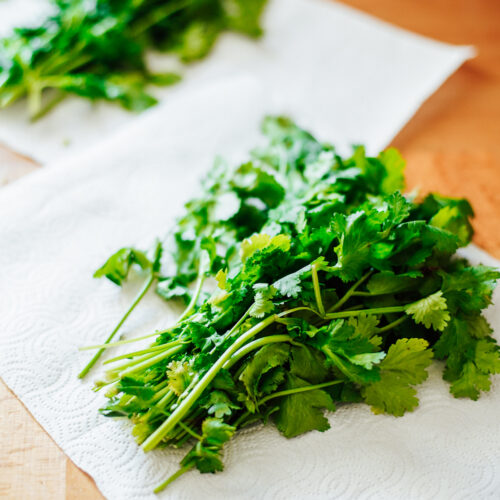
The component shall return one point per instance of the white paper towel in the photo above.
(317, 56)
(59, 224)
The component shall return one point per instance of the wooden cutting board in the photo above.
(452, 145)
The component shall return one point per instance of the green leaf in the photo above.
(356, 233)
(243, 16)
(135, 387)
(266, 358)
(387, 282)
(471, 382)
(290, 285)
(308, 364)
(469, 360)
(262, 241)
(364, 325)
(206, 454)
(431, 311)
(220, 405)
(179, 376)
(352, 353)
(263, 301)
(470, 288)
(403, 367)
(302, 412)
(394, 166)
(117, 267)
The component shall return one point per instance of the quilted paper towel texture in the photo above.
(316, 55)
(58, 225)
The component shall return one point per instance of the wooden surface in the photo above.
(452, 145)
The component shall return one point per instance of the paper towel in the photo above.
(60, 224)
(317, 56)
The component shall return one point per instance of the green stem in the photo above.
(287, 392)
(120, 342)
(152, 361)
(297, 309)
(241, 418)
(349, 293)
(194, 298)
(173, 477)
(59, 97)
(134, 354)
(98, 354)
(34, 98)
(338, 362)
(190, 431)
(317, 290)
(395, 323)
(117, 369)
(298, 389)
(251, 346)
(165, 399)
(161, 391)
(239, 323)
(179, 413)
(157, 16)
(376, 310)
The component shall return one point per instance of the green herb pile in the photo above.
(96, 48)
(330, 287)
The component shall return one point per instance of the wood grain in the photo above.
(452, 145)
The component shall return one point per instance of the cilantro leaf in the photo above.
(219, 404)
(268, 357)
(117, 267)
(431, 311)
(302, 412)
(263, 304)
(403, 367)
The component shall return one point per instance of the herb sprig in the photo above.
(332, 287)
(96, 49)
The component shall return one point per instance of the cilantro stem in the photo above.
(190, 431)
(286, 392)
(152, 361)
(349, 293)
(392, 325)
(298, 389)
(122, 366)
(297, 309)
(98, 354)
(165, 399)
(338, 362)
(134, 354)
(239, 323)
(120, 342)
(251, 346)
(194, 298)
(317, 290)
(59, 97)
(173, 477)
(157, 16)
(155, 438)
(376, 310)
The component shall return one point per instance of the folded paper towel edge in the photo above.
(462, 54)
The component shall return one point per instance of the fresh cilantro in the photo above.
(97, 49)
(328, 285)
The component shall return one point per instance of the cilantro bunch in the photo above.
(96, 48)
(330, 286)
